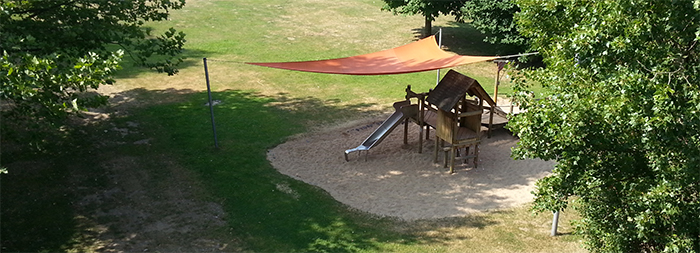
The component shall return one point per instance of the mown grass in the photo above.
(307, 219)
(240, 176)
(261, 108)
(230, 33)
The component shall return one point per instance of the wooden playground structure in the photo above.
(457, 109)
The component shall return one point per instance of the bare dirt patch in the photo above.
(147, 204)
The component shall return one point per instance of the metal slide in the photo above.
(383, 130)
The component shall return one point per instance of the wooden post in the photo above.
(405, 132)
(495, 93)
(490, 121)
(420, 124)
(498, 81)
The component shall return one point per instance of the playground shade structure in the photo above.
(422, 55)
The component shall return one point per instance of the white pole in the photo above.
(439, 46)
(555, 223)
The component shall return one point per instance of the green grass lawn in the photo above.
(260, 108)
(269, 220)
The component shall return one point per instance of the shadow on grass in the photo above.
(36, 208)
(191, 57)
(272, 212)
(442, 231)
(48, 198)
(464, 39)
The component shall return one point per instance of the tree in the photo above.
(495, 19)
(430, 9)
(54, 51)
(623, 123)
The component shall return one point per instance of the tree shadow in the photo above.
(443, 225)
(464, 39)
(36, 210)
(191, 57)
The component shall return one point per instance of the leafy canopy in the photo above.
(495, 19)
(624, 121)
(54, 51)
(430, 9)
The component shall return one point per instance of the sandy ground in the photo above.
(397, 181)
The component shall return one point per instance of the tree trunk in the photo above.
(428, 28)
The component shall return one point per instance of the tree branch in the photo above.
(36, 11)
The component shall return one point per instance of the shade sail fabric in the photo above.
(422, 55)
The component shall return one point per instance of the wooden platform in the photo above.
(430, 118)
(497, 119)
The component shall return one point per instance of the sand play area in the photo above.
(397, 181)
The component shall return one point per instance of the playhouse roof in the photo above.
(454, 86)
(422, 55)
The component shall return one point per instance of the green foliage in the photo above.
(47, 86)
(428, 8)
(53, 52)
(624, 121)
(495, 19)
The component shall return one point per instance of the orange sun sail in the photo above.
(422, 55)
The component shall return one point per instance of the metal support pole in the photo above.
(211, 103)
(555, 223)
(439, 46)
